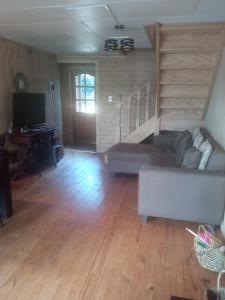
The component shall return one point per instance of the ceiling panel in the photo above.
(49, 24)
(156, 8)
(211, 7)
(51, 15)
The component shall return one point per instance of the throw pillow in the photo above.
(185, 144)
(191, 158)
(195, 133)
(198, 140)
(180, 136)
(206, 149)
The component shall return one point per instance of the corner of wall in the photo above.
(215, 117)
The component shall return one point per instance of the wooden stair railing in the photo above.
(139, 107)
(139, 114)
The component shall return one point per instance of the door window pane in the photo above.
(80, 93)
(80, 80)
(90, 106)
(85, 93)
(81, 106)
(90, 80)
(90, 93)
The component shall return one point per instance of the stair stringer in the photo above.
(141, 132)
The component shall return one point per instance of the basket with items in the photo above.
(210, 251)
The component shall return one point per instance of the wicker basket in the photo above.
(216, 293)
(211, 257)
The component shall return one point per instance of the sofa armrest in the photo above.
(164, 140)
(181, 194)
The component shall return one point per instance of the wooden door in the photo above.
(84, 128)
(84, 108)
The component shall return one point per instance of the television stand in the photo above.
(34, 151)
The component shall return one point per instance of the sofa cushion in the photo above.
(195, 132)
(185, 143)
(180, 136)
(206, 149)
(165, 139)
(163, 160)
(191, 158)
(166, 150)
(198, 139)
(130, 152)
(216, 161)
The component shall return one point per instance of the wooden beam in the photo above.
(205, 26)
(214, 73)
(157, 39)
(150, 31)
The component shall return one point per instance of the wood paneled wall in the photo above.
(115, 76)
(215, 117)
(39, 68)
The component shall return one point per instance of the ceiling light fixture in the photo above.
(86, 27)
(111, 44)
(125, 45)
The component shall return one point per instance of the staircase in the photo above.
(141, 119)
(187, 60)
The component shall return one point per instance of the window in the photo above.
(85, 93)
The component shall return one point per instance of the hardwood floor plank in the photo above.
(76, 235)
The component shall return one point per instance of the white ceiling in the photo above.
(50, 26)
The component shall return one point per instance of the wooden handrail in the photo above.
(135, 108)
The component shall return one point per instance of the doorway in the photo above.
(83, 78)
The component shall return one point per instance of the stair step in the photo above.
(188, 50)
(179, 103)
(186, 68)
(184, 83)
(183, 91)
(177, 124)
(184, 114)
(182, 76)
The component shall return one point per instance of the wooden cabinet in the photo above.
(34, 150)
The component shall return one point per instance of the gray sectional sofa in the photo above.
(170, 185)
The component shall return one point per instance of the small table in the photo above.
(5, 188)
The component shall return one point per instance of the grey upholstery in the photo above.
(125, 151)
(184, 144)
(191, 158)
(217, 158)
(128, 158)
(167, 190)
(189, 195)
(167, 139)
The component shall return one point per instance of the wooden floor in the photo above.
(76, 235)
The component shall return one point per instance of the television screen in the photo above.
(28, 110)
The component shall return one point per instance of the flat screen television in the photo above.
(28, 110)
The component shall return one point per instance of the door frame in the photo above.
(96, 63)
